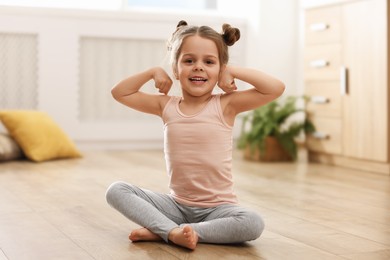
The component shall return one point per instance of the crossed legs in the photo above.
(164, 219)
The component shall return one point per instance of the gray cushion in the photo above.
(9, 149)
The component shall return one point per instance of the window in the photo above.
(116, 4)
(173, 4)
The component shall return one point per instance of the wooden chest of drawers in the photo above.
(346, 80)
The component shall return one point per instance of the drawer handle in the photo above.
(318, 27)
(320, 136)
(343, 81)
(319, 63)
(319, 99)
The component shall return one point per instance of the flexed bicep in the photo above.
(127, 91)
(265, 89)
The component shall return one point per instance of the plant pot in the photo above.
(274, 152)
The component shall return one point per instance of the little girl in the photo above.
(202, 206)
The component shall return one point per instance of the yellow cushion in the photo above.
(38, 135)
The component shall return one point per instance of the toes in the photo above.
(185, 237)
(187, 231)
(132, 236)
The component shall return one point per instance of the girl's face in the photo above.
(198, 66)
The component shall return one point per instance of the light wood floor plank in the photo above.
(29, 236)
(275, 246)
(377, 255)
(324, 238)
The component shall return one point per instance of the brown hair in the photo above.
(227, 38)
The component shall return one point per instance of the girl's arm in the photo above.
(266, 88)
(127, 91)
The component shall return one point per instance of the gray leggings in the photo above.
(160, 213)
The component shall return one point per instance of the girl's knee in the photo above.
(114, 191)
(257, 225)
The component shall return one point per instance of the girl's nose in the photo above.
(198, 67)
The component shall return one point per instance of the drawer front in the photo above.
(322, 26)
(327, 137)
(324, 98)
(322, 62)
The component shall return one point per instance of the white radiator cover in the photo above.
(18, 71)
(105, 61)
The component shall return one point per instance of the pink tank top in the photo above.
(198, 154)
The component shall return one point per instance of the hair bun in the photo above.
(181, 23)
(230, 34)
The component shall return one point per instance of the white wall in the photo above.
(272, 37)
(278, 41)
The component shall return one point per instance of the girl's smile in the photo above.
(197, 79)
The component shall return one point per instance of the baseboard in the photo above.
(357, 164)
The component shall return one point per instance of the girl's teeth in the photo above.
(197, 79)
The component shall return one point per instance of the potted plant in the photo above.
(269, 132)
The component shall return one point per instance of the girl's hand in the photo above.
(226, 80)
(162, 81)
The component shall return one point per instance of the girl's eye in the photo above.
(209, 62)
(188, 61)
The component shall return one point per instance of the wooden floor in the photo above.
(57, 210)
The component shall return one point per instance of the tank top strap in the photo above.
(170, 106)
(218, 109)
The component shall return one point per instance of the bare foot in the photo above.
(143, 234)
(185, 237)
